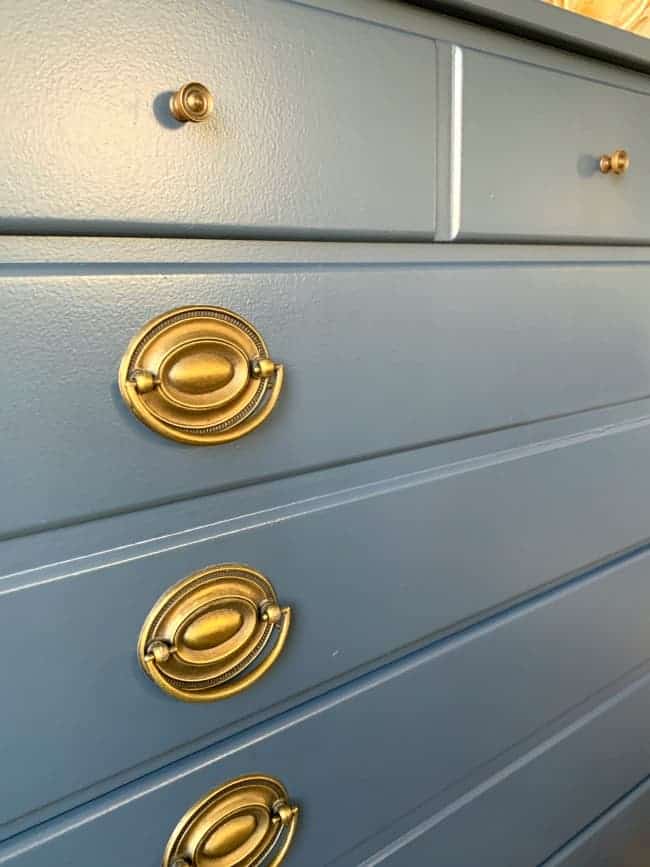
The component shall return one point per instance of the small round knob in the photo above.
(617, 162)
(192, 102)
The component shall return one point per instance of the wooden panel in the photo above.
(324, 125)
(377, 359)
(530, 146)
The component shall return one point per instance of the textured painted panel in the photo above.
(324, 124)
(377, 359)
(379, 748)
(531, 142)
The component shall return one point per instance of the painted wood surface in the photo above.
(334, 750)
(620, 836)
(536, 800)
(540, 178)
(77, 727)
(312, 133)
(435, 472)
(378, 359)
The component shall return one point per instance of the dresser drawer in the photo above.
(529, 144)
(368, 754)
(376, 359)
(84, 713)
(322, 124)
(529, 807)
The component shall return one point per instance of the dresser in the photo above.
(325, 435)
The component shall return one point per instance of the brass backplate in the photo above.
(241, 824)
(200, 375)
(201, 638)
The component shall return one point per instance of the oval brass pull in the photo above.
(192, 102)
(202, 636)
(240, 824)
(200, 375)
(617, 162)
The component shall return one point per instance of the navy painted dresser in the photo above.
(325, 433)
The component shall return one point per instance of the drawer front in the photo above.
(530, 147)
(465, 349)
(322, 124)
(354, 761)
(529, 808)
(94, 715)
(620, 837)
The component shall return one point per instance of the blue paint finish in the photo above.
(620, 836)
(377, 359)
(550, 655)
(342, 750)
(306, 140)
(453, 491)
(544, 181)
(525, 810)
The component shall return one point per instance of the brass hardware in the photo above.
(617, 162)
(203, 635)
(241, 824)
(200, 375)
(192, 102)
(632, 15)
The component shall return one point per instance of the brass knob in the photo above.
(240, 824)
(192, 102)
(200, 375)
(202, 636)
(617, 162)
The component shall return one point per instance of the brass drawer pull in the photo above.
(200, 375)
(240, 824)
(202, 636)
(192, 102)
(617, 163)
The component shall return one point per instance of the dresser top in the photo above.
(532, 18)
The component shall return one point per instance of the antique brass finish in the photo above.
(203, 635)
(240, 824)
(617, 162)
(200, 375)
(192, 102)
(632, 15)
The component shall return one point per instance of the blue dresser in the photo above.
(325, 433)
